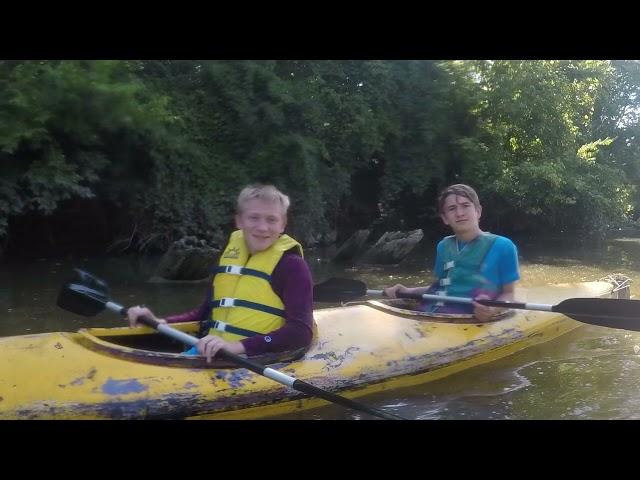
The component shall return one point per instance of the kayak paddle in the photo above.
(604, 312)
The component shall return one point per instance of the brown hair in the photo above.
(461, 190)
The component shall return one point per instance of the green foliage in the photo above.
(550, 171)
(58, 120)
(549, 145)
(304, 126)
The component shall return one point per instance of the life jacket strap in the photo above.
(224, 327)
(237, 270)
(237, 302)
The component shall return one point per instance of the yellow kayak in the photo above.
(361, 348)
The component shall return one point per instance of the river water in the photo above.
(588, 373)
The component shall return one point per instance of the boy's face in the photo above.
(262, 223)
(460, 214)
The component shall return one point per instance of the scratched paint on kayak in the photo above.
(236, 378)
(80, 380)
(123, 387)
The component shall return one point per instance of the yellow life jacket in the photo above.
(244, 304)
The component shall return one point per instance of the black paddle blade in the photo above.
(605, 312)
(81, 299)
(339, 290)
(82, 277)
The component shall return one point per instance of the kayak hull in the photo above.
(359, 349)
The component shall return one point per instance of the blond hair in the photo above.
(268, 193)
(460, 190)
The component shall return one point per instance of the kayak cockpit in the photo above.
(145, 345)
(408, 308)
(615, 285)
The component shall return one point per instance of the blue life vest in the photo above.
(462, 266)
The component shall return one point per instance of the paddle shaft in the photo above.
(489, 303)
(270, 373)
(603, 312)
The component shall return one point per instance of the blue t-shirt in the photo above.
(500, 265)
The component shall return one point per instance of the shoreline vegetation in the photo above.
(127, 157)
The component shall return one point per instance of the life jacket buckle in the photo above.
(227, 302)
(233, 269)
(218, 325)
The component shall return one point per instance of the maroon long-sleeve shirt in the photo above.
(291, 281)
